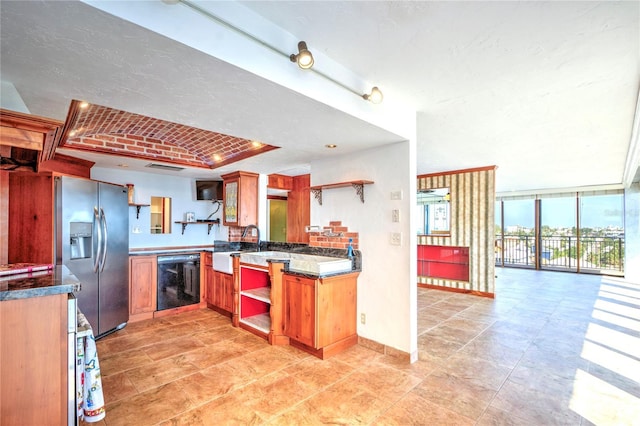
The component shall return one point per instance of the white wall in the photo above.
(183, 199)
(632, 233)
(11, 99)
(387, 289)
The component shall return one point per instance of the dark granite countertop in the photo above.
(36, 284)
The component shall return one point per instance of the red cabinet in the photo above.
(447, 262)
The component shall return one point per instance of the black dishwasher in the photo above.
(178, 280)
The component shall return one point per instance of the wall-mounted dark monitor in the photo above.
(209, 190)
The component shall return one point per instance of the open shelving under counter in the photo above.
(255, 299)
(358, 185)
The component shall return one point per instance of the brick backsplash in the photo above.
(324, 238)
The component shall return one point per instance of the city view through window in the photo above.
(582, 233)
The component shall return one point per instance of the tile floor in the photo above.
(552, 348)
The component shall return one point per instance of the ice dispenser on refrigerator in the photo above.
(80, 236)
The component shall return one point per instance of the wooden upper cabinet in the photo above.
(240, 199)
(280, 182)
(27, 140)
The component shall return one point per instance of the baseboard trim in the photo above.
(387, 350)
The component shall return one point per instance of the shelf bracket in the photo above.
(184, 226)
(317, 193)
(138, 212)
(209, 225)
(359, 187)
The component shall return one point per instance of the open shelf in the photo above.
(358, 185)
(137, 206)
(260, 322)
(210, 223)
(262, 293)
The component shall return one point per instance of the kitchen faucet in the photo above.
(244, 234)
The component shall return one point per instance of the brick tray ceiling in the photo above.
(110, 131)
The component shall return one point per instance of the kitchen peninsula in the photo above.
(34, 355)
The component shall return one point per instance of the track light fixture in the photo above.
(375, 97)
(304, 58)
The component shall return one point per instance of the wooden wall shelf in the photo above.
(210, 223)
(358, 185)
(137, 206)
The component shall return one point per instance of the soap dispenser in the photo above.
(350, 249)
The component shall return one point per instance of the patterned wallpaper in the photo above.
(472, 225)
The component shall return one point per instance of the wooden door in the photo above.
(299, 306)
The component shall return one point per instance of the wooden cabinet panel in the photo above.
(240, 199)
(33, 366)
(298, 210)
(143, 278)
(336, 304)
(226, 285)
(300, 309)
(31, 205)
(320, 315)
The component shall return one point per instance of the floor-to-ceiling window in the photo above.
(518, 236)
(602, 232)
(558, 232)
(580, 232)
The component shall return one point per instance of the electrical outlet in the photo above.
(363, 318)
(395, 238)
(396, 195)
(395, 215)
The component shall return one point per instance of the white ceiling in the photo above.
(546, 91)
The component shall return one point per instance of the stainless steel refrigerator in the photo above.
(92, 240)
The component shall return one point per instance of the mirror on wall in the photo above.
(434, 211)
(160, 215)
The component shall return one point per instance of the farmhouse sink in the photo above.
(298, 262)
(223, 262)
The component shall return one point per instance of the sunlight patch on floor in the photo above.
(601, 403)
(612, 360)
(618, 320)
(618, 309)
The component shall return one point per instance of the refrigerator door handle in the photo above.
(105, 236)
(98, 228)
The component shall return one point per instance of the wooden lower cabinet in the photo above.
(225, 283)
(219, 290)
(33, 361)
(319, 315)
(143, 287)
(223, 291)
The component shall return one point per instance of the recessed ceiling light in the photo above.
(72, 133)
(84, 104)
(331, 145)
(217, 157)
(256, 144)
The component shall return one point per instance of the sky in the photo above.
(596, 212)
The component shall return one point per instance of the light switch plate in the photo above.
(395, 238)
(395, 215)
(396, 195)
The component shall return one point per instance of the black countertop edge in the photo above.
(58, 280)
(286, 269)
(226, 246)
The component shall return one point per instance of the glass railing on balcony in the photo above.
(589, 254)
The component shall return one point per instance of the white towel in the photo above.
(89, 394)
